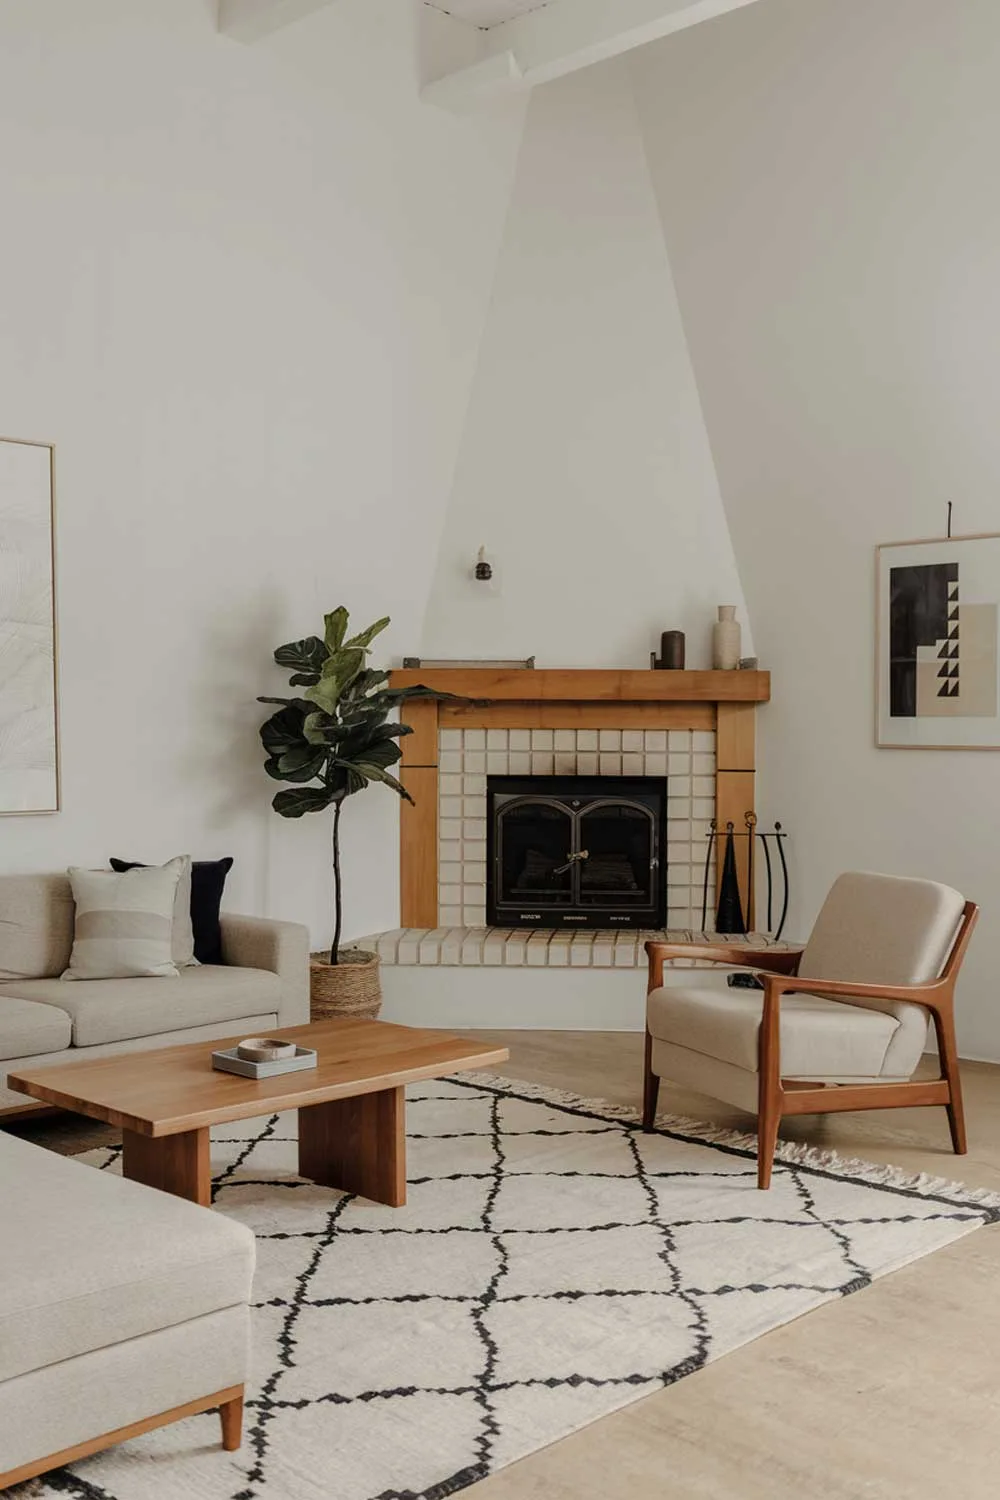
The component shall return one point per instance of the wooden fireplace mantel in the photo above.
(725, 702)
(546, 685)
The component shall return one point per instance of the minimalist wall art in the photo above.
(937, 662)
(29, 777)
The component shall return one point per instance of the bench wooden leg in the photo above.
(229, 1403)
(231, 1413)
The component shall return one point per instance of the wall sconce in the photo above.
(483, 571)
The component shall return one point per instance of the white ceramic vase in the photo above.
(726, 640)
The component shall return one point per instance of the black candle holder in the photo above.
(671, 652)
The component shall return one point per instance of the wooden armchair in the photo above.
(842, 1024)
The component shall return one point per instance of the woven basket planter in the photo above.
(349, 988)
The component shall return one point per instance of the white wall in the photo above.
(241, 289)
(584, 465)
(826, 172)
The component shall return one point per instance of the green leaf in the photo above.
(282, 732)
(305, 658)
(336, 628)
(296, 801)
(345, 778)
(344, 664)
(338, 670)
(302, 763)
(367, 681)
(380, 753)
(314, 728)
(326, 694)
(308, 772)
(378, 773)
(365, 638)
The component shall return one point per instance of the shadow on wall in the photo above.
(235, 665)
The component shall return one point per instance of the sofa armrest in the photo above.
(282, 948)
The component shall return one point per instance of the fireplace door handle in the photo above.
(573, 859)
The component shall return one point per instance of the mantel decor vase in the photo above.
(726, 640)
(350, 987)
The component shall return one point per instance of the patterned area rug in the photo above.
(553, 1263)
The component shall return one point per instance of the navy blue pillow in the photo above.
(208, 879)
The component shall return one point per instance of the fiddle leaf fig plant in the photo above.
(335, 738)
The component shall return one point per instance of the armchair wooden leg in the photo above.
(768, 1118)
(948, 1050)
(650, 1088)
(231, 1413)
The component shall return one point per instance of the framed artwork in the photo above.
(937, 671)
(29, 750)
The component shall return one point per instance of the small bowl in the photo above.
(264, 1049)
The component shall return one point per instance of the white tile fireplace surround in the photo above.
(443, 966)
(467, 756)
(590, 979)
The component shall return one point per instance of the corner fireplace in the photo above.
(576, 851)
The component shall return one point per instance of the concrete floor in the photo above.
(894, 1392)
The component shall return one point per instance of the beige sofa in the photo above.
(121, 1308)
(263, 984)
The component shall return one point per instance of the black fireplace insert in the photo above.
(576, 851)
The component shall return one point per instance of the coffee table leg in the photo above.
(357, 1145)
(177, 1164)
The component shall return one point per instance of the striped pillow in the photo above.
(124, 922)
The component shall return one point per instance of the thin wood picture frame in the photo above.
(30, 772)
(937, 643)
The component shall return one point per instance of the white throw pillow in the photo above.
(124, 922)
(182, 949)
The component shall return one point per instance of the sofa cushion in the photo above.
(36, 925)
(125, 921)
(90, 1259)
(208, 879)
(182, 940)
(27, 1028)
(116, 1010)
(819, 1038)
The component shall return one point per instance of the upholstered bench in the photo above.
(121, 1308)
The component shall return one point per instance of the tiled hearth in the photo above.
(467, 756)
(534, 948)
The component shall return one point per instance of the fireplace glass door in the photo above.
(536, 844)
(576, 851)
(619, 840)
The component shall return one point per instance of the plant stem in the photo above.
(338, 905)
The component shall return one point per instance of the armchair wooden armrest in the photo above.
(773, 960)
(932, 995)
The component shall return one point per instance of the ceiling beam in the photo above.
(251, 20)
(560, 38)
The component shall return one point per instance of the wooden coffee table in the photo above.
(351, 1105)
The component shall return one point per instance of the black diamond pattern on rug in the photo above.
(552, 1264)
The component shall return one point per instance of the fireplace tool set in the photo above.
(729, 914)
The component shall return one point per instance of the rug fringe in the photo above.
(794, 1153)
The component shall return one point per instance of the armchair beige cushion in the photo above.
(872, 929)
(838, 1041)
